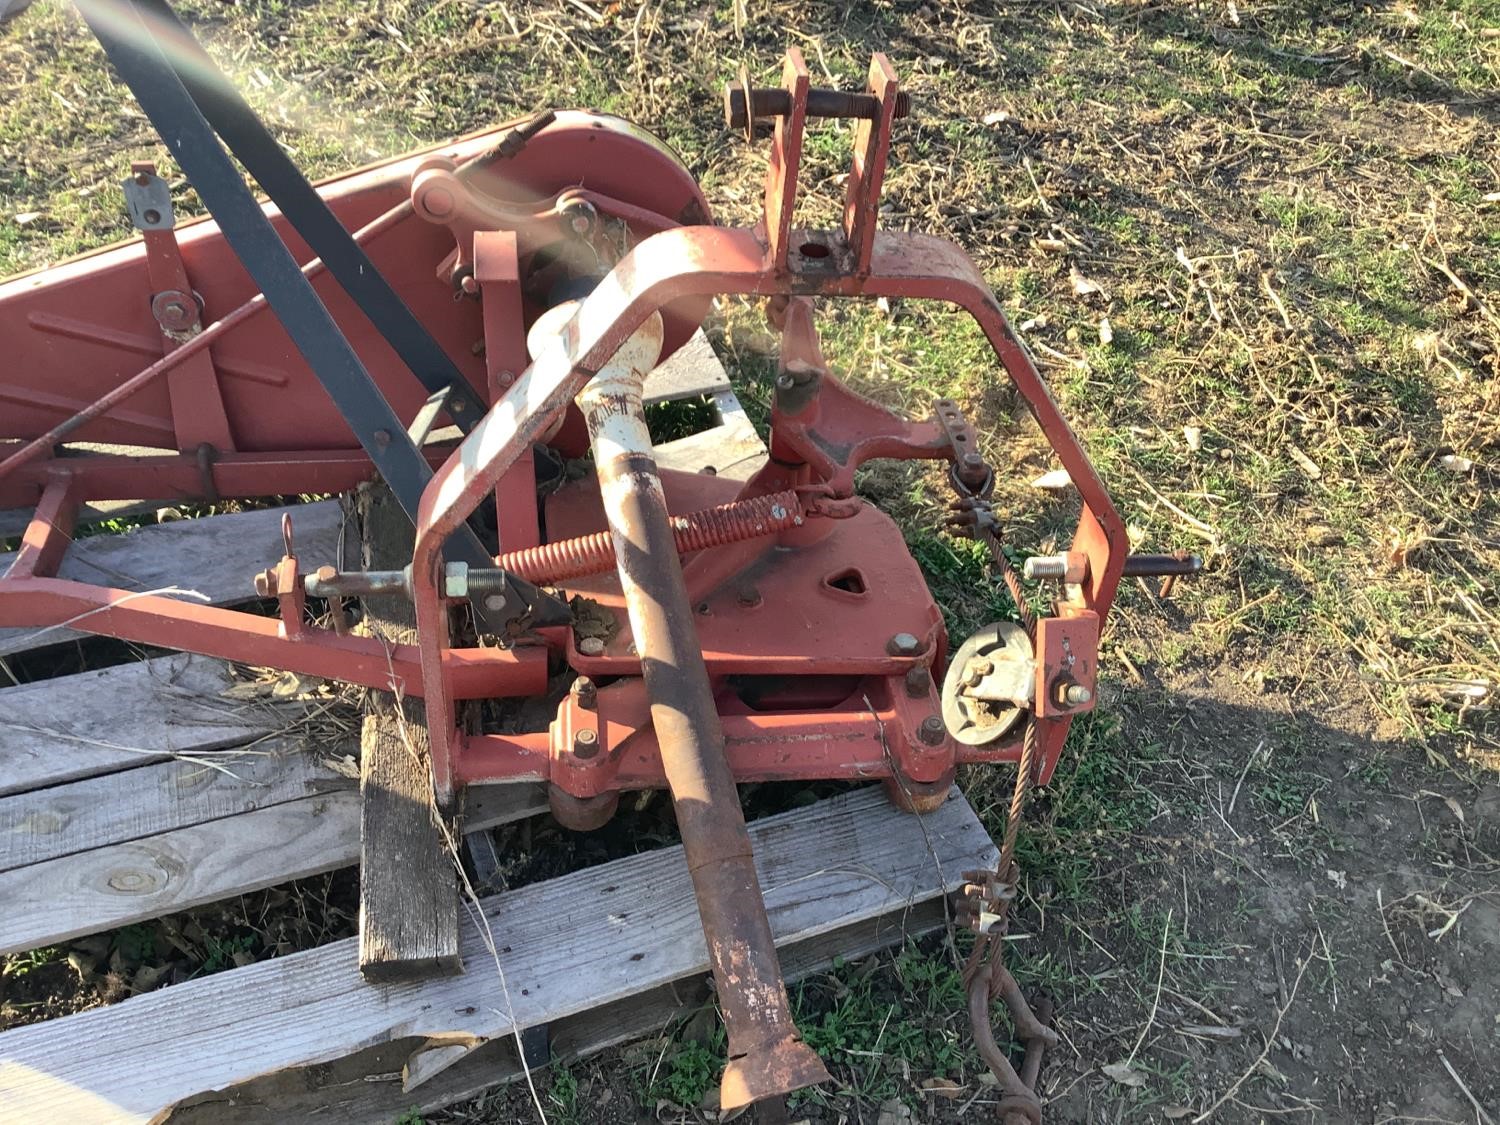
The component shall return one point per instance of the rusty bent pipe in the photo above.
(767, 1058)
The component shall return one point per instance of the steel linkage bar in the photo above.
(140, 60)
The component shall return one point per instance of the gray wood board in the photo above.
(96, 812)
(14, 521)
(115, 718)
(633, 922)
(693, 369)
(368, 1086)
(732, 449)
(408, 888)
(217, 557)
(83, 893)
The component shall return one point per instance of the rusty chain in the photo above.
(988, 894)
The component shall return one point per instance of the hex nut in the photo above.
(903, 644)
(586, 743)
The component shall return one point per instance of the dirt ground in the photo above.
(1256, 249)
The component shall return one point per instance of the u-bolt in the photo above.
(767, 1058)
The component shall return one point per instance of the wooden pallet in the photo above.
(151, 786)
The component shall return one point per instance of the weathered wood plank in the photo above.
(14, 521)
(408, 888)
(369, 1087)
(86, 892)
(216, 556)
(732, 449)
(632, 922)
(693, 369)
(71, 727)
(94, 813)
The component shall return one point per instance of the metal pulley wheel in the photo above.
(990, 684)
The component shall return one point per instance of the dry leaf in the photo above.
(1304, 462)
(1400, 546)
(1175, 1112)
(943, 1087)
(1053, 245)
(1082, 286)
(1193, 435)
(26, 218)
(1106, 331)
(293, 686)
(344, 766)
(1211, 1031)
(1123, 1074)
(252, 689)
(1055, 481)
(996, 117)
(1456, 464)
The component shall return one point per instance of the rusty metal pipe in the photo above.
(776, 102)
(1148, 566)
(766, 1056)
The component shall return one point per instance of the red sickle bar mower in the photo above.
(520, 284)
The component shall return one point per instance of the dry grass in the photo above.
(1289, 216)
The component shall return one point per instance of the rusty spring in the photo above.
(710, 527)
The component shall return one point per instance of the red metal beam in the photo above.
(156, 619)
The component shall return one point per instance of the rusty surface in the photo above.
(872, 145)
(772, 101)
(735, 522)
(766, 1056)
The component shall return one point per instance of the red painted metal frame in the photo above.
(874, 728)
(93, 315)
(697, 261)
(713, 260)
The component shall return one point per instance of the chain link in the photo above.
(989, 894)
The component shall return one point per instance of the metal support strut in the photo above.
(134, 35)
(766, 1056)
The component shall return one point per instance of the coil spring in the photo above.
(710, 527)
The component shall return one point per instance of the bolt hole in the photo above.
(813, 250)
(153, 215)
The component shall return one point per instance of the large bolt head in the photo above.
(591, 646)
(932, 731)
(1076, 695)
(903, 644)
(918, 681)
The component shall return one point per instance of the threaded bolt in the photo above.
(586, 743)
(1076, 695)
(585, 693)
(932, 731)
